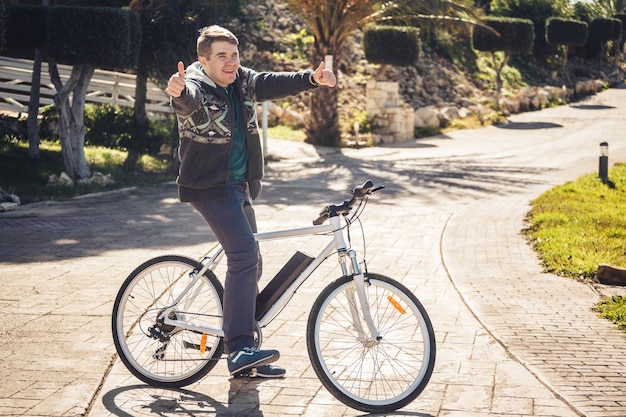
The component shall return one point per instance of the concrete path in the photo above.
(511, 339)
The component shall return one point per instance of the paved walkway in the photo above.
(511, 340)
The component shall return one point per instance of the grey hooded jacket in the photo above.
(205, 128)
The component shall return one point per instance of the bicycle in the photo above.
(369, 339)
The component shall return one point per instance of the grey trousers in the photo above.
(233, 222)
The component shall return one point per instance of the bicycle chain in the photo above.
(189, 360)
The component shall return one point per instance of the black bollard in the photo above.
(603, 171)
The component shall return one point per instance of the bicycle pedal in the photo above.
(193, 346)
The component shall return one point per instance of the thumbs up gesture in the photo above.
(324, 76)
(176, 83)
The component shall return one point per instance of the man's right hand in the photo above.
(176, 83)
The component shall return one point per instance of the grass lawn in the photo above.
(27, 178)
(578, 225)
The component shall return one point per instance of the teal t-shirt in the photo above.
(238, 160)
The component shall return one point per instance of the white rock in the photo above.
(8, 206)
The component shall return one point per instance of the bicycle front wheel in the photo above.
(364, 373)
(163, 355)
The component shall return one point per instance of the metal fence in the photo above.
(107, 87)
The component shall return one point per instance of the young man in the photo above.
(221, 167)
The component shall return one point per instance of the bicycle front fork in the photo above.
(359, 302)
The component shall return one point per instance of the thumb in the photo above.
(181, 69)
(319, 71)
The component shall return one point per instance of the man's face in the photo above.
(222, 65)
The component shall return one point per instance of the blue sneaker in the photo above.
(250, 357)
(270, 371)
(263, 371)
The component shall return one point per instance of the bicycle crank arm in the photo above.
(194, 327)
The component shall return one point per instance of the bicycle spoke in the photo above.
(159, 353)
(363, 372)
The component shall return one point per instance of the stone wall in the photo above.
(392, 116)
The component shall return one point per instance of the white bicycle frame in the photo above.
(337, 244)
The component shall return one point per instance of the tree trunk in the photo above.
(499, 68)
(323, 124)
(141, 123)
(32, 123)
(565, 72)
(71, 117)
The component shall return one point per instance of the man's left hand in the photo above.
(324, 76)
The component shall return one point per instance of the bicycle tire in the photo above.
(369, 375)
(139, 339)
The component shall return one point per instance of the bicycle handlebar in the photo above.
(358, 192)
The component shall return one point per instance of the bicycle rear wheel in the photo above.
(366, 374)
(158, 354)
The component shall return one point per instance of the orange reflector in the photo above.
(203, 343)
(396, 305)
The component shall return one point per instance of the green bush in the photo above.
(108, 126)
(508, 34)
(395, 45)
(617, 29)
(25, 30)
(587, 11)
(601, 30)
(622, 18)
(560, 31)
(112, 127)
(453, 47)
(538, 11)
(511, 77)
(99, 45)
(3, 18)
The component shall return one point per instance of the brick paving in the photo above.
(511, 339)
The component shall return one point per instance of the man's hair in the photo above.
(210, 34)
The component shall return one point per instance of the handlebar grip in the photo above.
(322, 217)
(319, 220)
(362, 190)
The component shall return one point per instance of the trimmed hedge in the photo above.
(3, 18)
(601, 30)
(511, 34)
(622, 18)
(560, 31)
(74, 34)
(78, 35)
(25, 30)
(618, 25)
(395, 45)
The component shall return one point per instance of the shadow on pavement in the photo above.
(153, 218)
(143, 400)
(528, 125)
(243, 400)
(591, 107)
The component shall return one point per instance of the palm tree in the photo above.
(331, 22)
